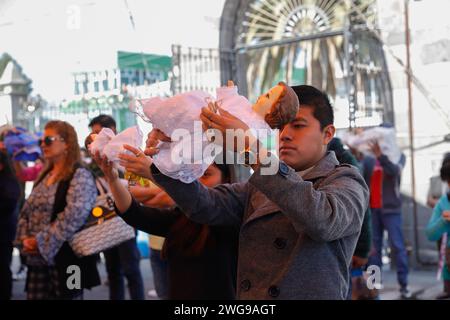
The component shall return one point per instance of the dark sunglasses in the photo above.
(48, 140)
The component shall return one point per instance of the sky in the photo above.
(51, 39)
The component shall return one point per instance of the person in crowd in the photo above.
(437, 186)
(436, 189)
(159, 268)
(201, 260)
(9, 202)
(102, 121)
(387, 213)
(58, 206)
(154, 197)
(363, 246)
(298, 226)
(28, 173)
(122, 261)
(24, 174)
(439, 228)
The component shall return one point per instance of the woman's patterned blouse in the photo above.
(34, 219)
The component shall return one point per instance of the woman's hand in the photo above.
(30, 246)
(106, 166)
(152, 196)
(161, 201)
(446, 215)
(138, 164)
(143, 194)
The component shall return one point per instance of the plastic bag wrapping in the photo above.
(111, 145)
(177, 112)
(184, 167)
(180, 112)
(183, 112)
(386, 138)
(100, 140)
(229, 99)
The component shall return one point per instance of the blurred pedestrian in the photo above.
(9, 202)
(386, 207)
(439, 228)
(58, 206)
(154, 197)
(122, 261)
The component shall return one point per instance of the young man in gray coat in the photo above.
(298, 226)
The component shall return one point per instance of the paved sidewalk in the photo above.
(423, 284)
(98, 293)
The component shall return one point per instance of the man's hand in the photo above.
(375, 148)
(138, 164)
(446, 215)
(225, 120)
(153, 139)
(106, 166)
(222, 121)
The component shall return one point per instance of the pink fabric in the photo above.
(30, 173)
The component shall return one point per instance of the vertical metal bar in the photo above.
(349, 52)
(411, 130)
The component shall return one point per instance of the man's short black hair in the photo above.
(445, 171)
(318, 100)
(103, 120)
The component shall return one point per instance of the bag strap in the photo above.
(100, 186)
(61, 193)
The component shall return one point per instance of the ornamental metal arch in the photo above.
(324, 43)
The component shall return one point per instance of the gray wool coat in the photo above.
(297, 234)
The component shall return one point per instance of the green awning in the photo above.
(133, 60)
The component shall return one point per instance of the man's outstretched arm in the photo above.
(222, 205)
(335, 210)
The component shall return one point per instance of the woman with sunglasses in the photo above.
(58, 206)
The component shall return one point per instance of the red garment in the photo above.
(376, 187)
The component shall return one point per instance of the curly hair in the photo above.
(73, 155)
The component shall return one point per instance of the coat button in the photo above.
(280, 243)
(245, 285)
(274, 291)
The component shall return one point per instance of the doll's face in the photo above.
(267, 100)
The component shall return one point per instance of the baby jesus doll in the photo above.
(277, 106)
(271, 111)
